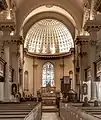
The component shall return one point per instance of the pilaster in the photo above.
(73, 82)
(82, 44)
(16, 41)
(92, 26)
(7, 27)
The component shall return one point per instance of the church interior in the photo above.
(50, 59)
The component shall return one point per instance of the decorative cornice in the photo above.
(92, 25)
(7, 25)
(57, 55)
(82, 40)
(14, 40)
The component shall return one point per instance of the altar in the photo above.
(48, 95)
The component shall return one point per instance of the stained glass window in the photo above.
(48, 74)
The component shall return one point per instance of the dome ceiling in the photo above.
(48, 36)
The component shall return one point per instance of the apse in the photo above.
(48, 36)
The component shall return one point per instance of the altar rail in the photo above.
(68, 112)
(35, 114)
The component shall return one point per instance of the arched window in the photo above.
(48, 74)
(26, 81)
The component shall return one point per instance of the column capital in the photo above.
(92, 25)
(82, 40)
(7, 25)
(16, 39)
(13, 40)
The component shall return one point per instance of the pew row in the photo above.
(20, 111)
(69, 112)
(94, 111)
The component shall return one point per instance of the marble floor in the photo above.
(50, 116)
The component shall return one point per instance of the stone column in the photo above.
(7, 27)
(92, 26)
(7, 84)
(16, 41)
(73, 82)
(82, 42)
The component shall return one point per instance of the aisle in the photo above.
(50, 116)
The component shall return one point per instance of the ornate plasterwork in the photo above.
(82, 40)
(92, 25)
(14, 40)
(82, 43)
(47, 55)
(7, 25)
(48, 36)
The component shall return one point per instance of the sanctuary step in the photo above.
(50, 116)
(15, 111)
(49, 109)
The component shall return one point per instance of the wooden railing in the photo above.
(68, 112)
(35, 114)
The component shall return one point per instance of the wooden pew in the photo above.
(16, 111)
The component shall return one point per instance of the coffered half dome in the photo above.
(48, 36)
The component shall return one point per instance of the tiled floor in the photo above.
(50, 116)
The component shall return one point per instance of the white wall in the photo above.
(28, 66)
(34, 68)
